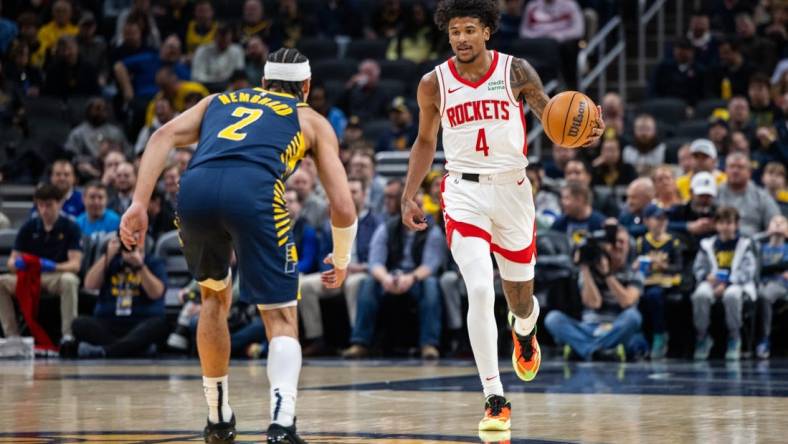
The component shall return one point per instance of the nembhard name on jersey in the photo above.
(478, 110)
(278, 107)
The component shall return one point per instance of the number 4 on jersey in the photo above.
(481, 143)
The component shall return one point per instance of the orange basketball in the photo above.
(569, 118)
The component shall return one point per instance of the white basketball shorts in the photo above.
(499, 208)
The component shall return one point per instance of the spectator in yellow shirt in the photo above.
(704, 158)
(173, 89)
(202, 28)
(50, 33)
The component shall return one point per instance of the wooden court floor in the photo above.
(400, 402)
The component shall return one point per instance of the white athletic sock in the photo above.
(217, 395)
(524, 326)
(284, 366)
(477, 272)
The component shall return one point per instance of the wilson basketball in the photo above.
(569, 118)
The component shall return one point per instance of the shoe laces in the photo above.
(526, 348)
(496, 404)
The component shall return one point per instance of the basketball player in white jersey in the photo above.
(477, 97)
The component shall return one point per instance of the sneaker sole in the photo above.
(494, 425)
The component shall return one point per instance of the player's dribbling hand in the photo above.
(413, 215)
(597, 129)
(334, 277)
(134, 225)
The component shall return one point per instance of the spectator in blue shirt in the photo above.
(304, 234)
(63, 178)
(640, 193)
(129, 314)
(136, 74)
(97, 218)
(401, 262)
(579, 219)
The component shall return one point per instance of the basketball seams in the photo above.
(588, 120)
(566, 118)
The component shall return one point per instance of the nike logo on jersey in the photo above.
(490, 379)
(520, 182)
(455, 89)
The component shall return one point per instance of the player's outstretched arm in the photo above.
(325, 148)
(181, 131)
(423, 151)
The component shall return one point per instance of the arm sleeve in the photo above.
(747, 269)
(378, 251)
(701, 267)
(434, 250)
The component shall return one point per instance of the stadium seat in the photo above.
(168, 248)
(392, 88)
(542, 53)
(704, 108)
(46, 106)
(10, 192)
(373, 129)
(318, 48)
(367, 49)
(402, 70)
(334, 69)
(666, 109)
(672, 146)
(693, 129)
(335, 89)
(17, 212)
(7, 238)
(395, 163)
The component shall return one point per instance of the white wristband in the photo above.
(343, 242)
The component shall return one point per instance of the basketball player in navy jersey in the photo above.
(232, 198)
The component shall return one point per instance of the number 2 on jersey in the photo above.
(232, 132)
(481, 143)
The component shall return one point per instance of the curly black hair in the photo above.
(485, 10)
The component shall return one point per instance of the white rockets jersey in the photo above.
(483, 124)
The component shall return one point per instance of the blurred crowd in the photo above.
(668, 238)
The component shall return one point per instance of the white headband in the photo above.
(290, 72)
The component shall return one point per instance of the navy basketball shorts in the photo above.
(237, 206)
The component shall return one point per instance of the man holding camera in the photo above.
(610, 290)
(129, 314)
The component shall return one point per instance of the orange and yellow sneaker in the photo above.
(497, 414)
(526, 356)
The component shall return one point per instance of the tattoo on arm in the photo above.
(527, 86)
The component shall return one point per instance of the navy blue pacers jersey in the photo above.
(231, 196)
